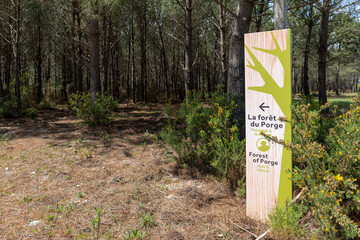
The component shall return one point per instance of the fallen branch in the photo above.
(243, 229)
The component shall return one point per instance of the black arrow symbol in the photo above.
(262, 107)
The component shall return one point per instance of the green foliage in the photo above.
(96, 222)
(284, 222)
(205, 136)
(326, 167)
(8, 108)
(98, 113)
(148, 221)
(29, 112)
(134, 235)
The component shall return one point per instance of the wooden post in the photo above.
(268, 98)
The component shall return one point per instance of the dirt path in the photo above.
(54, 173)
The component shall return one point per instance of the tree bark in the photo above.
(305, 83)
(259, 19)
(324, 30)
(224, 69)
(133, 61)
(164, 61)
(16, 50)
(38, 63)
(79, 70)
(280, 14)
(73, 47)
(2, 95)
(236, 76)
(337, 78)
(143, 61)
(94, 59)
(189, 81)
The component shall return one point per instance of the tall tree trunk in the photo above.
(7, 67)
(133, 61)
(38, 63)
(224, 69)
(106, 49)
(2, 95)
(164, 61)
(48, 75)
(325, 12)
(94, 59)
(280, 14)
(337, 78)
(259, 18)
(236, 76)
(189, 81)
(143, 62)
(16, 49)
(305, 83)
(79, 71)
(128, 70)
(73, 46)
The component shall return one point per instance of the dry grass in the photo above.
(54, 173)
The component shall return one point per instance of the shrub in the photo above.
(95, 114)
(285, 222)
(8, 107)
(328, 171)
(205, 136)
(29, 112)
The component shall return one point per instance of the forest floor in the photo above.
(54, 173)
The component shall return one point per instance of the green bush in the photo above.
(97, 114)
(29, 112)
(328, 171)
(8, 108)
(285, 223)
(205, 136)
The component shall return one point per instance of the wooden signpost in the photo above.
(268, 99)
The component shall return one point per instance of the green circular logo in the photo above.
(263, 144)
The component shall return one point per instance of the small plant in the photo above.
(148, 221)
(68, 231)
(80, 195)
(5, 137)
(105, 139)
(134, 235)
(94, 114)
(96, 222)
(29, 112)
(50, 219)
(284, 222)
(26, 199)
(59, 208)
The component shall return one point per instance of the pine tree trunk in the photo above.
(16, 48)
(224, 70)
(322, 54)
(133, 61)
(38, 63)
(94, 59)
(236, 76)
(280, 14)
(189, 81)
(305, 83)
(143, 62)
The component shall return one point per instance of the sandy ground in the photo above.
(55, 175)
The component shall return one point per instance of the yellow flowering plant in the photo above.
(325, 152)
(205, 136)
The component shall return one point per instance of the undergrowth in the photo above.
(97, 114)
(205, 136)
